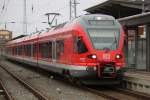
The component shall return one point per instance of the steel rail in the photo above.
(100, 93)
(107, 96)
(134, 93)
(7, 95)
(140, 95)
(39, 95)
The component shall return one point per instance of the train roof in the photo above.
(93, 16)
(62, 27)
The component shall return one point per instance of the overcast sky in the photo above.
(13, 12)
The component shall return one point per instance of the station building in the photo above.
(133, 15)
(5, 36)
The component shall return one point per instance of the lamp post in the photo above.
(143, 6)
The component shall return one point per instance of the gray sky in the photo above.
(14, 13)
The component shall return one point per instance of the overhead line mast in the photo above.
(73, 9)
(25, 18)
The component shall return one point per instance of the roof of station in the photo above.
(120, 8)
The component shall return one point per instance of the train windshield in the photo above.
(104, 38)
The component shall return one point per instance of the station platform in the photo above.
(137, 81)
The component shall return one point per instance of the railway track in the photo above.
(4, 92)
(47, 75)
(113, 93)
(35, 92)
(100, 93)
(133, 93)
(118, 94)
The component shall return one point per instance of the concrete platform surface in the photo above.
(137, 81)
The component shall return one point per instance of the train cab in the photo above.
(100, 41)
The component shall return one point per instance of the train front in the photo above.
(106, 48)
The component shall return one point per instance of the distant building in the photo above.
(5, 36)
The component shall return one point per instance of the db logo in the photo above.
(106, 56)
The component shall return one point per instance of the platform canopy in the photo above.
(121, 8)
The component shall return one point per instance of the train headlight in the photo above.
(118, 56)
(92, 56)
(99, 18)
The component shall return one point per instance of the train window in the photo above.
(50, 49)
(59, 48)
(101, 22)
(102, 38)
(25, 50)
(15, 50)
(75, 44)
(19, 50)
(11, 51)
(7, 50)
(28, 50)
(34, 50)
(17, 53)
(46, 49)
(81, 46)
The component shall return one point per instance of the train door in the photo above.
(32, 50)
(54, 51)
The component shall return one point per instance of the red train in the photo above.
(89, 48)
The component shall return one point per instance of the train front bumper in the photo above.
(90, 76)
(92, 72)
